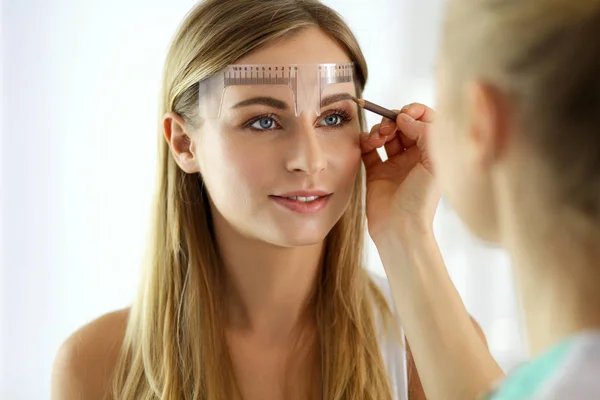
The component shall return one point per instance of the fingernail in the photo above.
(405, 108)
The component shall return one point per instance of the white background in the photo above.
(80, 86)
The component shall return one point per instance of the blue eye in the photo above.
(263, 124)
(335, 119)
(332, 120)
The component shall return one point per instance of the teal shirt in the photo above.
(571, 368)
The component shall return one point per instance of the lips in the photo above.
(303, 202)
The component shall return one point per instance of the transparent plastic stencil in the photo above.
(304, 85)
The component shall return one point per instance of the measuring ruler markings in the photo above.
(257, 75)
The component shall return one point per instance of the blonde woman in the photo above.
(254, 287)
(518, 131)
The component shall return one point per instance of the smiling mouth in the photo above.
(305, 196)
(304, 199)
(303, 204)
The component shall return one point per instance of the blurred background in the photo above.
(80, 84)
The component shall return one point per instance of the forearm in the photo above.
(452, 360)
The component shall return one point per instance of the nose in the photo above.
(306, 154)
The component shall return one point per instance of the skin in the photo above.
(272, 255)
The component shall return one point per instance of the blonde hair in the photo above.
(544, 55)
(174, 346)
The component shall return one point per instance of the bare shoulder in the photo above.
(84, 363)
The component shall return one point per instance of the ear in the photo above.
(180, 142)
(489, 124)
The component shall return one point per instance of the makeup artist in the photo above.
(515, 149)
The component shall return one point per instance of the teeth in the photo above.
(304, 199)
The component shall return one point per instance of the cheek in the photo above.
(465, 188)
(232, 169)
(247, 164)
(449, 159)
(344, 158)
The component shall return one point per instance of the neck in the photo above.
(268, 287)
(557, 264)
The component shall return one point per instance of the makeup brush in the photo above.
(384, 112)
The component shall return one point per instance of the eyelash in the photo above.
(342, 114)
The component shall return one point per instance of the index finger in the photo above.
(388, 126)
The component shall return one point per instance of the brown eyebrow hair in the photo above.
(265, 101)
(281, 105)
(334, 98)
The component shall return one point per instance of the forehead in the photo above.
(309, 46)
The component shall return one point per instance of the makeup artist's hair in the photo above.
(544, 56)
(174, 347)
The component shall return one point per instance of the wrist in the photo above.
(408, 252)
(405, 234)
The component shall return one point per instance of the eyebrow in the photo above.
(334, 98)
(281, 105)
(265, 101)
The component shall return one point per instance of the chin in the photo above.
(299, 239)
(290, 232)
(289, 229)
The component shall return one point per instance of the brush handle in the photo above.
(384, 112)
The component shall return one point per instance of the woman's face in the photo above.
(270, 175)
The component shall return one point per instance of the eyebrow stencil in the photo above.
(307, 83)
